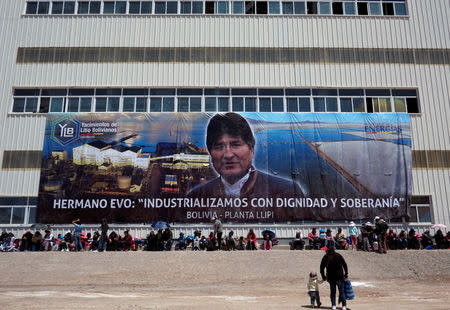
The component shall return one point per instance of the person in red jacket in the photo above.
(251, 240)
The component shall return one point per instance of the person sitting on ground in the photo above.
(447, 240)
(48, 241)
(69, 240)
(196, 242)
(167, 239)
(251, 240)
(297, 243)
(267, 244)
(391, 240)
(341, 240)
(426, 240)
(231, 243)
(413, 240)
(25, 244)
(88, 242)
(181, 243)
(36, 241)
(439, 238)
(127, 241)
(152, 241)
(241, 245)
(322, 235)
(402, 240)
(95, 244)
(212, 242)
(314, 240)
(329, 240)
(113, 243)
(203, 243)
(61, 243)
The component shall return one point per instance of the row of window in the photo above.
(298, 7)
(431, 159)
(75, 100)
(18, 210)
(22, 210)
(230, 55)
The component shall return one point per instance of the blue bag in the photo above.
(349, 294)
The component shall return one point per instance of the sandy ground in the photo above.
(217, 280)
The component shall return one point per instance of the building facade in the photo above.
(196, 56)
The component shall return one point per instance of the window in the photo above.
(349, 8)
(140, 7)
(134, 100)
(217, 100)
(75, 100)
(431, 159)
(107, 100)
(26, 100)
(337, 8)
(188, 7)
(274, 7)
(63, 7)
(375, 8)
(352, 100)
(22, 159)
(238, 7)
(163, 7)
(17, 210)
(37, 7)
(311, 7)
(288, 8)
(89, 7)
(420, 209)
(362, 8)
(114, 7)
(388, 8)
(324, 8)
(162, 100)
(80, 100)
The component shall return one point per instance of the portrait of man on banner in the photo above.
(231, 145)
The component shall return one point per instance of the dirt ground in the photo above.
(217, 280)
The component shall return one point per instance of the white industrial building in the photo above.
(151, 56)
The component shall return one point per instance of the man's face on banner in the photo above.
(231, 157)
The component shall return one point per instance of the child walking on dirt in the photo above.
(313, 289)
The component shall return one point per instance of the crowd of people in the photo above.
(369, 237)
(373, 237)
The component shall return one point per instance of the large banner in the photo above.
(247, 167)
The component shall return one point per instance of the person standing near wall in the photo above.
(218, 231)
(353, 232)
(103, 236)
(336, 273)
(381, 228)
(77, 234)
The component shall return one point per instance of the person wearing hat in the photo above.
(336, 273)
(353, 233)
(381, 228)
(218, 231)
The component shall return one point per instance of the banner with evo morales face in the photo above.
(247, 167)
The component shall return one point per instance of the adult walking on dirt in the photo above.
(336, 273)
(218, 231)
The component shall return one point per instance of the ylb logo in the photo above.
(65, 130)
